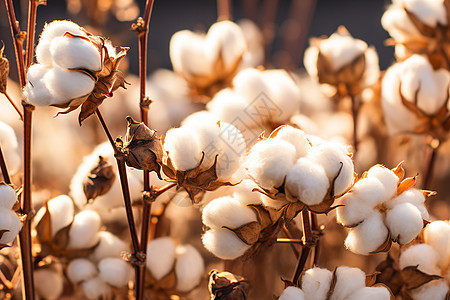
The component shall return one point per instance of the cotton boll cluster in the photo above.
(344, 283)
(381, 208)
(10, 223)
(433, 258)
(413, 93)
(255, 44)
(342, 61)
(49, 282)
(10, 148)
(289, 168)
(165, 258)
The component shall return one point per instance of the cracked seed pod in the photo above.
(99, 180)
(143, 147)
(4, 71)
(75, 68)
(342, 64)
(227, 286)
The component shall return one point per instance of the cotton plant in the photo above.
(419, 27)
(380, 208)
(297, 174)
(203, 155)
(49, 281)
(10, 223)
(345, 283)
(208, 61)
(10, 148)
(74, 68)
(173, 268)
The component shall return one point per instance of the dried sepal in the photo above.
(392, 297)
(227, 286)
(414, 278)
(371, 279)
(399, 171)
(385, 246)
(248, 233)
(4, 71)
(406, 184)
(99, 180)
(389, 275)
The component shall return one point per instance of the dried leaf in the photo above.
(44, 227)
(61, 238)
(248, 233)
(99, 180)
(386, 287)
(4, 71)
(385, 246)
(227, 286)
(414, 278)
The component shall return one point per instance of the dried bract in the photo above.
(99, 180)
(4, 71)
(227, 286)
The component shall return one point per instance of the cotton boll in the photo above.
(292, 293)
(109, 245)
(95, 288)
(48, 283)
(436, 289)
(386, 177)
(67, 85)
(11, 222)
(43, 55)
(183, 149)
(413, 196)
(207, 139)
(271, 203)
(348, 280)
(232, 148)
(310, 60)
(369, 190)
(8, 196)
(250, 84)
(61, 212)
(115, 271)
(353, 211)
(81, 269)
(189, 268)
(367, 236)
(423, 256)
(244, 193)
(396, 21)
(160, 256)
(227, 211)
(8, 141)
(224, 244)
(84, 230)
(437, 235)
(269, 161)
(72, 53)
(296, 137)
(404, 222)
(36, 91)
(307, 181)
(431, 13)
(371, 293)
(316, 283)
(331, 156)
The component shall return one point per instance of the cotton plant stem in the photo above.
(32, 9)
(429, 169)
(224, 10)
(289, 236)
(355, 110)
(270, 8)
(316, 229)
(4, 168)
(14, 105)
(307, 241)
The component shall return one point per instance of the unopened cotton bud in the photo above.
(183, 149)
(423, 256)
(348, 280)
(81, 269)
(224, 243)
(49, 284)
(404, 222)
(189, 268)
(296, 137)
(95, 288)
(160, 256)
(74, 53)
(227, 211)
(115, 271)
(61, 212)
(8, 196)
(367, 236)
(316, 283)
(109, 245)
(386, 177)
(292, 293)
(437, 235)
(307, 181)
(269, 161)
(84, 230)
(10, 225)
(371, 293)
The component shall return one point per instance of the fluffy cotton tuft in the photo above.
(72, 53)
(95, 288)
(388, 178)
(224, 244)
(84, 230)
(436, 289)
(316, 283)
(49, 284)
(109, 245)
(9, 221)
(81, 269)
(189, 268)
(8, 196)
(423, 256)
(404, 222)
(61, 212)
(10, 148)
(414, 197)
(348, 280)
(233, 146)
(68, 85)
(296, 137)
(353, 211)
(244, 193)
(437, 235)
(371, 191)
(371, 293)
(161, 256)
(183, 149)
(292, 293)
(115, 271)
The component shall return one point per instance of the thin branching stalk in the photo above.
(355, 110)
(224, 10)
(289, 236)
(270, 9)
(31, 28)
(431, 162)
(14, 105)
(316, 229)
(307, 243)
(4, 168)
(289, 241)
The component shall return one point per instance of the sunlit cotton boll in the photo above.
(348, 280)
(189, 268)
(244, 193)
(10, 148)
(436, 289)
(72, 53)
(84, 230)
(437, 235)
(95, 288)
(81, 269)
(353, 210)
(404, 222)
(295, 137)
(316, 283)
(48, 283)
(233, 147)
(109, 245)
(224, 243)
(10, 222)
(371, 293)
(414, 197)
(115, 271)
(388, 178)
(8, 196)
(183, 149)
(292, 293)
(423, 256)
(161, 256)
(61, 212)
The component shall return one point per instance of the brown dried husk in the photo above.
(4, 71)
(227, 286)
(99, 180)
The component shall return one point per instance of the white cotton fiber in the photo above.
(367, 236)
(95, 288)
(348, 280)
(81, 269)
(36, 91)
(429, 12)
(437, 235)
(371, 293)
(72, 53)
(331, 156)
(233, 146)
(404, 222)
(115, 271)
(386, 177)
(11, 222)
(183, 149)
(48, 283)
(436, 289)
(250, 84)
(353, 211)
(160, 256)
(43, 55)
(59, 28)
(109, 245)
(8, 196)
(296, 137)
(292, 293)
(413, 196)
(84, 230)
(310, 60)
(206, 135)
(189, 268)
(227, 211)
(316, 283)
(61, 212)
(369, 190)
(269, 161)
(423, 256)
(224, 244)
(243, 192)
(307, 181)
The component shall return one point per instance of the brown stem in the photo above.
(317, 230)
(270, 8)
(289, 241)
(224, 8)
(355, 109)
(289, 236)
(307, 240)
(26, 206)
(4, 168)
(32, 9)
(14, 105)
(431, 162)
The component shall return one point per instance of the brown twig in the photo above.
(31, 28)
(307, 244)
(4, 168)
(317, 230)
(289, 241)
(355, 110)
(224, 10)
(14, 105)
(270, 8)
(289, 236)
(432, 149)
